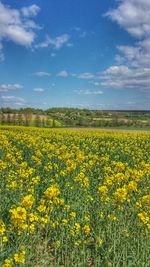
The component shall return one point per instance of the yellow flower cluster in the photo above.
(20, 257)
(18, 217)
(27, 202)
(52, 192)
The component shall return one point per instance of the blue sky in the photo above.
(87, 54)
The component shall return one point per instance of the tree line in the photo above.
(74, 117)
(27, 120)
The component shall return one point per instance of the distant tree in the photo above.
(43, 122)
(3, 121)
(48, 122)
(13, 119)
(8, 118)
(53, 123)
(81, 121)
(37, 121)
(20, 119)
(28, 115)
(68, 121)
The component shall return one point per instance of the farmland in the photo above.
(74, 198)
(74, 117)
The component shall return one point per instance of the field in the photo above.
(73, 117)
(74, 198)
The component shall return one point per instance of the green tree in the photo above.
(37, 120)
(28, 115)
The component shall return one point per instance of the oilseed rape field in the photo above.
(72, 197)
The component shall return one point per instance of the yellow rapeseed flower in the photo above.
(52, 192)
(18, 217)
(27, 202)
(2, 228)
(8, 263)
(20, 257)
(120, 194)
(86, 229)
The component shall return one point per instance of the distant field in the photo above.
(28, 120)
(74, 197)
(31, 116)
(70, 117)
(111, 129)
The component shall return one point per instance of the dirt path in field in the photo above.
(109, 130)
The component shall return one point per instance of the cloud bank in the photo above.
(17, 26)
(10, 87)
(56, 43)
(132, 67)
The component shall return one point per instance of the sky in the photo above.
(91, 54)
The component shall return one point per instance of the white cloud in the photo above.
(121, 77)
(10, 87)
(59, 41)
(117, 77)
(63, 74)
(95, 83)
(11, 101)
(137, 55)
(19, 35)
(56, 43)
(88, 92)
(11, 98)
(117, 70)
(133, 16)
(82, 33)
(132, 69)
(14, 26)
(43, 44)
(39, 90)
(32, 10)
(42, 74)
(86, 75)
(19, 103)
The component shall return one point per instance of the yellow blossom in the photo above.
(144, 217)
(103, 190)
(27, 202)
(20, 257)
(2, 228)
(120, 194)
(52, 192)
(86, 229)
(18, 217)
(8, 263)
